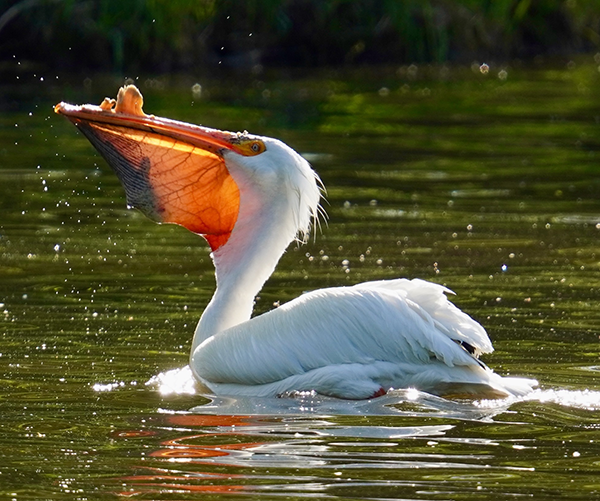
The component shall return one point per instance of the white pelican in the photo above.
(250, 197)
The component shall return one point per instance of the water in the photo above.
(487, 184)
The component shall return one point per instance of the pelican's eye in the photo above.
(251, 147)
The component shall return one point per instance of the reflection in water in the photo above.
(280, 444)
(252, 446)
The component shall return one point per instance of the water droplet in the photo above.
(197, 91)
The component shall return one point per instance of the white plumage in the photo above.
(349, 342)
(251, 197)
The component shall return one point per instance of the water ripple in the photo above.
(397, 402)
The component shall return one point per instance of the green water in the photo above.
(488, 185)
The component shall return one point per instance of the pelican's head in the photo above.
(276, 179)
(204, 179)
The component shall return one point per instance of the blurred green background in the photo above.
(178, 35)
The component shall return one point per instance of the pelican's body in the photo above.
(354, 342)
(350, 342)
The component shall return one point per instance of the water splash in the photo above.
(397, 402)
(174, 382)
(578, 399)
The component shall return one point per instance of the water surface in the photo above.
(486, 183)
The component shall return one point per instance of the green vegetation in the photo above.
(162, 36)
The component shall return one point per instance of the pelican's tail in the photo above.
(517, 386)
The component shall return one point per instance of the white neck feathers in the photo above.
(279, 197)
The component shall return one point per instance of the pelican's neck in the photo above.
(242, 266)
(279, 195)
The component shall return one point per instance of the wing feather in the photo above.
(372, 322)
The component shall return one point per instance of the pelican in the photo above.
(250, 197)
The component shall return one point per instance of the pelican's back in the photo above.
(349, 342)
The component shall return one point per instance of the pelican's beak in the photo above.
(126, 111)
(174, 172)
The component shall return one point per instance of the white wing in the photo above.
(350, 342)
(431, 299)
